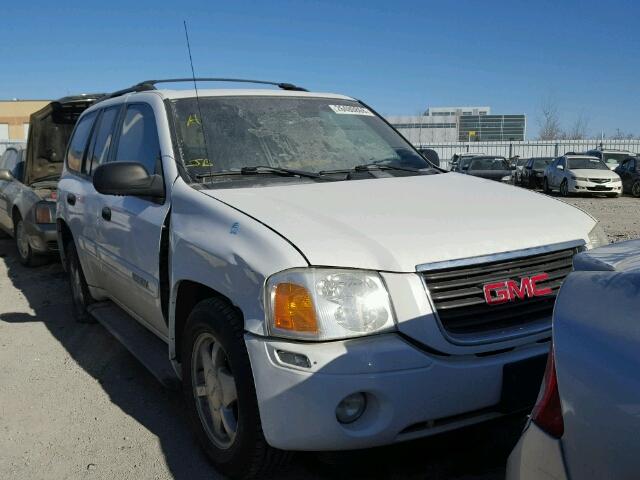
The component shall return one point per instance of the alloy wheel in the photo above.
(214, 390)
(564, 189)
(21, 240)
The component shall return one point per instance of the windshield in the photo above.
(541, 163)
(614, 159)
(521, 162)
(586, 164)
(489, 163)
(305, 134)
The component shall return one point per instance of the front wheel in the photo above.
(545, 186)
(635, 189)
(25, 252)
(564, 189)
(220, 394)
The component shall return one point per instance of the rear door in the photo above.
(130, 228)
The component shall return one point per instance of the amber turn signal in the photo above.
(293, 309)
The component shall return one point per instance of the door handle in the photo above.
(106, 213)
(71, 199)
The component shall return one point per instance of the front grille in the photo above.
(458, 296)
(599, 188)
(599, 180)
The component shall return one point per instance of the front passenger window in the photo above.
(78, 142)
(139, 139)
(102, 142)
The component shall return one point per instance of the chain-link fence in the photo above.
(4, 144)
(528, 149)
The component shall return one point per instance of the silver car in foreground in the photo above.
(587, 419)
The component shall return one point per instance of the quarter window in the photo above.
(78, 143)
(139, 138)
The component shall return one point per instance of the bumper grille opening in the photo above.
(458, 296)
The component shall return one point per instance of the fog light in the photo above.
(351, 408)
(295, 359)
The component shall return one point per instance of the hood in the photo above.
(395, 224)
(490, 174)
(49, 131)
(592, 173)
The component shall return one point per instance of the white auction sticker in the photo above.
(350, 110)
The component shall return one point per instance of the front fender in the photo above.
(218, 246)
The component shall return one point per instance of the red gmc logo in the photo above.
(508, 290)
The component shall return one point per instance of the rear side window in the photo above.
(102, 139)
(78, 142)
(139, 139)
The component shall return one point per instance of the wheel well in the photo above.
(15, 214)
(188, 296)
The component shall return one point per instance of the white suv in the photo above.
(282, 250)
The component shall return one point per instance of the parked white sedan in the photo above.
(587, 418)
(581, 174)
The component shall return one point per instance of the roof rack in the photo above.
(151, 85)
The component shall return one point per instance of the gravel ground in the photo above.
(620, 217)
(74, 404)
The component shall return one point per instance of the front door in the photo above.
(130, 228)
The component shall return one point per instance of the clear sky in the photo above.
(398, 56)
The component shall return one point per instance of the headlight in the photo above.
(45, 212)
(327, 304)
(506, 179)
(597, 237)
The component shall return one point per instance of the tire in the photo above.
(80, 295)
(25, 253)
(237, 446)
(564, 189)
(635, 189)
(545, 186)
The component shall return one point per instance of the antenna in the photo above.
(195, 86)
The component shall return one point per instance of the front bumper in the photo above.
(579, 186)
(537, 456)
(410, 393)
(43, 237)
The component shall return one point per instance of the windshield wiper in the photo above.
(259, 169)
(365, 167)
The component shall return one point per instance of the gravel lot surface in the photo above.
(74, 404)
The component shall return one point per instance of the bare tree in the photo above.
(549, 121)
(620, 135)
(579, 128)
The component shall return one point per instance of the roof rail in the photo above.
(151, 85)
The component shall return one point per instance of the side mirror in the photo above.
(6, 175)
(127, 179)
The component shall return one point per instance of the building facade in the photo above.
(14, 118)
(459, 124)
